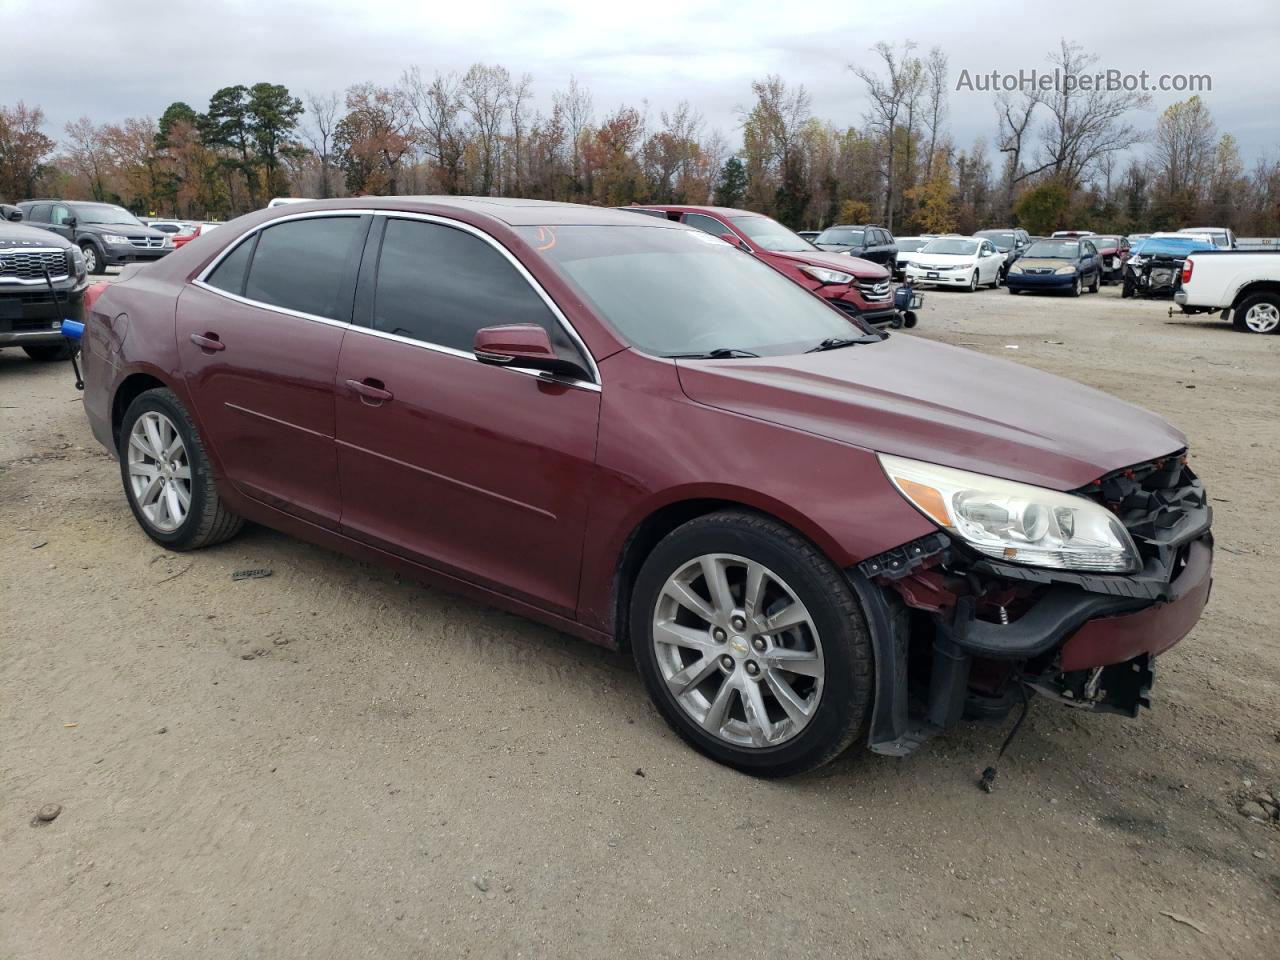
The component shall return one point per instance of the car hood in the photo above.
(940, 404)
(18, 235)
(947, 259)
(121, 229)
(862, 269)
(1031, 263)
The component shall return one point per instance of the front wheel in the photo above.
(167, 475)
(1075, 286)
(93, 261)
(973, 283)
(751, 644)
(1097, 282)
(1258, 314)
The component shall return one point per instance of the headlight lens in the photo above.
(823, 275)
(1015, 268)
(1016, 522)
(77, 261)
(114, 238)
(1065, 270)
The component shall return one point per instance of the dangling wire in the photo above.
(987, 783)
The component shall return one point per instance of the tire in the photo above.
(835, 685)
(1258, 314)
(93, 260)
(205, 520)
(973, 282)
(45, 352)
(1076, 286)
(1097, 282)
(1013, 291)
(1126, 289)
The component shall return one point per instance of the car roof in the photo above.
(512, 211)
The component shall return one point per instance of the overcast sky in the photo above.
(132, 58)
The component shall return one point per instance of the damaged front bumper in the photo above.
(965, 628)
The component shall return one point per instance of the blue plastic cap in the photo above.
(72, 329)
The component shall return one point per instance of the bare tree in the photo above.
(86, 148)
(575, 106)
(1185, 140)
(517, 99)
(323, 111)
(486, 93)
(894, 99)
(1014, 120)
(1084, 125)
(437, 106)
(935, 83)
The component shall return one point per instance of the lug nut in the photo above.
(727, 662)
(738, 623)
(759, 644)
(752, 668)
(718, 635)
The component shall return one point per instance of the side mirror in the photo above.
(522, 345)
(71, 222)
(13, 214)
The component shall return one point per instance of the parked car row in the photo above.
(106, 234)
(807, 532)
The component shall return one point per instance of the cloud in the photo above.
(110, 61)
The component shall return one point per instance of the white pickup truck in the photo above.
(1244, 284)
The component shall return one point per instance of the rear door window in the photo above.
(307, 265)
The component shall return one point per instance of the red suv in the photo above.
(807, 532)
(857, 287)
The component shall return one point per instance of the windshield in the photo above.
(1002, 240)
(105, 213)
(1054, 249)
(840, 237)
(1105, 243)
(771, 235)
(1170, 246)
(911, 244)
(671, 291)
(957, 246)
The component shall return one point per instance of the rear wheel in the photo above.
(167, 475)
(45, 352)
(1258, 314)
(751, 644)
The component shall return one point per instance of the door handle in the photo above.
(208, 341)
(371, 389)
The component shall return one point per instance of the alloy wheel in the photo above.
(738, 651)
(90, 258)
(1262, 317)
(159, 471)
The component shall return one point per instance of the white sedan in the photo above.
(965, 262)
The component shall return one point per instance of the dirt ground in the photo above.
(331, 762)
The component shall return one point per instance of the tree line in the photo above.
(1055, 158)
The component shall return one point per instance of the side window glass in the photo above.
(61, 214)
(303, 265)
(706, 224)
(230, 274)
(439, 284)
(39, 213)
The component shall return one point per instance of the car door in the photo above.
(478, 471)
(60, 218)
(258, 338)
(1089, 262)
(989, 262)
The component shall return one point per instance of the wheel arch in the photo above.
(130, 388)
(1253, 289)
(663, 518)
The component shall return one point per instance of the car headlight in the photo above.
(1065, 270)
(77, 261)
(823, 275)
(168, 240)
(1015, 267)
(114, 238)
(1016, 522)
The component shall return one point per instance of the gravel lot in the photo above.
(334, 763)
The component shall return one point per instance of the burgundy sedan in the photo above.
(806, 532)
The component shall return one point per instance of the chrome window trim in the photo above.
(201, 280)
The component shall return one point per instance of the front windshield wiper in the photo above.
(719, 353)
(835, 343)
